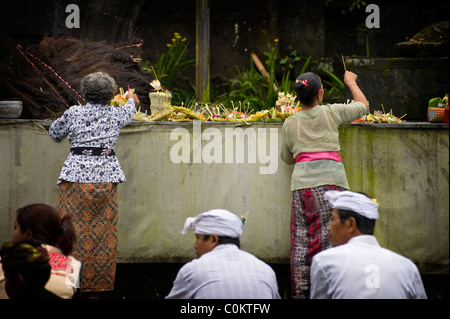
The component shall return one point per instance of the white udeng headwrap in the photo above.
(220, 222)
(355, 202)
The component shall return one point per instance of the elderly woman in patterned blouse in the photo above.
(90, 175)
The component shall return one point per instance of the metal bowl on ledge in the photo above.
(10, 109)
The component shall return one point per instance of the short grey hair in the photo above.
(98, 88)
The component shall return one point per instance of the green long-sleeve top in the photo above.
(316, 130)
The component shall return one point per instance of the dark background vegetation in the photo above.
(321, 29)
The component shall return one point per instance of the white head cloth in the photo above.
(220, 222)
(354, 202)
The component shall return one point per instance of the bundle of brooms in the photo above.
(47, 76)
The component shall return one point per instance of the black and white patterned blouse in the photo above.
(88, 126)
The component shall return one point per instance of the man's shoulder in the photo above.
(229, 249)
(190, 266)
(353, 248)
(331, 253)
(399, 260)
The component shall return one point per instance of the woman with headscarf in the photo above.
(310, 140)
(90, 176)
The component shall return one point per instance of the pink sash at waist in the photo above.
(314, 156)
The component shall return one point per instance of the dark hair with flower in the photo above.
(307, 86)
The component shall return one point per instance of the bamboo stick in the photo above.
(262, 69)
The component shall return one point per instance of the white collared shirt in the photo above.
(226, 272)
(361, 269)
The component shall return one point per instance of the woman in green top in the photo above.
(311, 142)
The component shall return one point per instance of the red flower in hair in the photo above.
(304, 82)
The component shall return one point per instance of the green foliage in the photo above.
(286, 83)
(291, 59)
(271, 96)
(253, 89)
(337, 86)
(170, 66)
(247, 87)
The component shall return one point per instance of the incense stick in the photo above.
(343, 62)
(154, 72)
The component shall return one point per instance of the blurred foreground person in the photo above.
(42, 224)
(26, 268)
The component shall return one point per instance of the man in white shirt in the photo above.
(222, 270)
(356, 266)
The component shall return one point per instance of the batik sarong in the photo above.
(94, 211)
(310, 216)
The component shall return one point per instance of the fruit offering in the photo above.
(119, 99)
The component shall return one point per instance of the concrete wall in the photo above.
(404, 166)
(404, 85)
